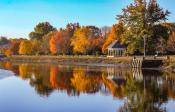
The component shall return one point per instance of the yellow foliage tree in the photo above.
(80, 41)
(25, 48)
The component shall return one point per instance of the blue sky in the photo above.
(19, 17)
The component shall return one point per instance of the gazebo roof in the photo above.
(116, 44)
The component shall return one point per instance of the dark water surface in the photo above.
(60, 88)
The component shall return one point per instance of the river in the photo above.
(30, 87)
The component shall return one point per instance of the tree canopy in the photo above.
(40, 30)
(83, 40)
(143, 18)
(25, 47)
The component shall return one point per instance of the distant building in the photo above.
(116, 49)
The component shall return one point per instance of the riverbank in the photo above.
(74, 60)
(124, 62)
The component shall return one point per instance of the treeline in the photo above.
(139, 19)
(47, 40)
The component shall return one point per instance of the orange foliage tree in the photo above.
(60, 43)
(8, 52)
(54, 43)
(96, 45)
(115, 33)
(53, 77)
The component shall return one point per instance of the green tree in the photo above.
(143, 18)
(40, 30)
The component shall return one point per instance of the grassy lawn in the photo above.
(82, 58)
(87, 58)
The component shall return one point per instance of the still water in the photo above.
(62, 88)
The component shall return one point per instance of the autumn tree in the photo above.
(25, 47)
(171, 43)
(83, 38)
(80, 41)
(40, 30)
(71, 27)
(96, 45)
(46, 42)
(8, 52)
(15, 43)
(60, 43)
(115, 33)
(37, 47)
(143, 18)
(54, 43)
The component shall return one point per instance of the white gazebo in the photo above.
(116, 49)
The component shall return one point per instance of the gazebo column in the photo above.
(117, 52)
(114, 52)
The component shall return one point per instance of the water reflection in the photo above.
(142, 90)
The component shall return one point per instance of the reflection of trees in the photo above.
(147, 95)
(84, 81)
(116, 85)
(9, 66)
(170, 82)
(60, 78)
(38, 77)
(145, 91)
(24, 71)
(116, 90)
